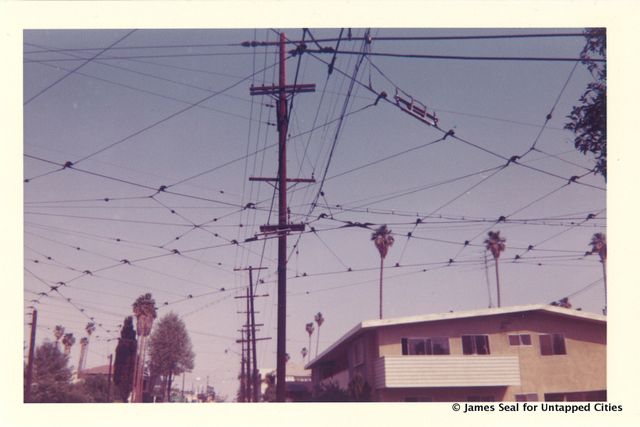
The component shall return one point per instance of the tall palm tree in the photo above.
(383, 240)
(58, 332)
(319, 320)
(309, 328)
(90, 328)
(84, 343)
(304, 353)
(599, 245)
(68, 341)
(495, 244)
(144, 308)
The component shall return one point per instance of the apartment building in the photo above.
(521, 353)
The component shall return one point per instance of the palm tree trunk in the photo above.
(381, 269)
(309, 354)
(318, 341)
(498, 282)
(139, 377)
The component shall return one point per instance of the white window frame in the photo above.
(475, 348)
(448, 340)
(520, 343)
(553, 349)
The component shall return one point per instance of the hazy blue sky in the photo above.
(182, 117)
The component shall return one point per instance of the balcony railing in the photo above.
(446, 371)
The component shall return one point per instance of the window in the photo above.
(521, 339)
(551, 344)
(527, 397)
(425, 346)
(475, 344)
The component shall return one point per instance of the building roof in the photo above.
(96, 370)
(424, 318)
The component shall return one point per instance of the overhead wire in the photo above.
(87, 61)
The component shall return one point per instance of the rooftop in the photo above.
(423, 318)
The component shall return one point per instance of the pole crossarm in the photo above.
(277, 89)
(260, 178)
(257, 339)
(277, 228)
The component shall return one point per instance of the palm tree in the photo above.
(84, 345)
(304, 353)
(599, 245)
(90, 328)
(319, 320)
(84, 342)
(144, 308)
(309, 329)
(58, 332)
(68, 341)
(383, 240)
(495, 244)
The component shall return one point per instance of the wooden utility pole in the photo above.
(32, 343)
(280, 92)
(109, 378)
(251, 331)
(243, 375)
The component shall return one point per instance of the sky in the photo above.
(136, 110)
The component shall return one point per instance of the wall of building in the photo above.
(495, 394)
(583, 368)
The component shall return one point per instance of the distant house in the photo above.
(298, 386)
(523, 353)
(95, 371)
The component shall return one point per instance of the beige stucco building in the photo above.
(533, 352)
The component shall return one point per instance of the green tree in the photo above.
(359, 390)
(96, 389)
(330, 392)
(588, 120)
(124, 364)
(495, 244)
(383, 240)
(52, 377)
(170, 349)
(270, 392)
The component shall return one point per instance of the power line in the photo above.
(319, 40)
(88, 60)
(111, 58)
(454, 57)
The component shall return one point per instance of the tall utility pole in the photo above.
(251, 331)
(243, 375)
(253, 387)
(280, 92)
(32, 343)
(109, 378)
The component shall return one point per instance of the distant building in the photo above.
(102, 371)
(524, 353)
(298, 386)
